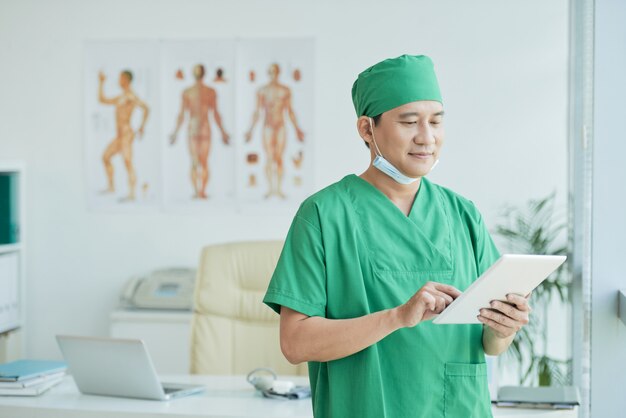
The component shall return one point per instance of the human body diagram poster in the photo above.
(121, 125)
(199, 125)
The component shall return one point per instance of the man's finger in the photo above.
(446, 288)
(520, 301)
(509, 310)
(441, 304)
(446, 297)
(429, 301)
(501, 318)
(498, 327)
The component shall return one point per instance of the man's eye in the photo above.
(410, 123)
(435, 122)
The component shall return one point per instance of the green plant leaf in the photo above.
(538, 228)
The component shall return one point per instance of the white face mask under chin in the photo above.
(389, 169)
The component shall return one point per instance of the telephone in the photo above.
(170, 288)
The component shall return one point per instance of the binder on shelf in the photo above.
(27, 369)
(9, 207)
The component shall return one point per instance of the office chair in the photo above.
(233, 332)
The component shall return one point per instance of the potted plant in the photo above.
(537, 229)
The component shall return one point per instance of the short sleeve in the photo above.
(299, 280)
(485, 249)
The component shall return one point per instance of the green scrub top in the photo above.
(351, 252)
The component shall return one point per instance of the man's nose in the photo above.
(424, 135)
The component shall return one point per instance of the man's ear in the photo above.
(364, 128)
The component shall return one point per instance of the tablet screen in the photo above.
(512, 273)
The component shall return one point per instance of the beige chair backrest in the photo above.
(233, 332)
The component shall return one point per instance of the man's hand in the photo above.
(300, 135)
(427, 302)
(101, 77)
(506, 318)
(140, 132)
(225, 137)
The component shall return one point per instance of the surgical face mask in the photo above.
(386, 167)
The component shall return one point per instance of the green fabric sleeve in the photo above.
(299, 280)
(486, 251)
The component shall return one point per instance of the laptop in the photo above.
(117, 367)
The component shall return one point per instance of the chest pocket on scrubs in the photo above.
(421, 276)
(466, 394)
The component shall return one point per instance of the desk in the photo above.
(226, 397)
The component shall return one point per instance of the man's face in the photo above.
(124, 81)
(198, 72)
(410, 136)
(273, 72)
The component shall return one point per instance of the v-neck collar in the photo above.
(383, 197)
(428, 217)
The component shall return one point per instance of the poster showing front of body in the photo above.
(121, 125)
(197, 102)
(275, 99)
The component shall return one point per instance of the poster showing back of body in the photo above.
(275, 97)
(198, 119)
(121, 129)
(216, 124)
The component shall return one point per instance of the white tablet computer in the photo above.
(512, 273)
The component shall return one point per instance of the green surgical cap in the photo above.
(395, 82)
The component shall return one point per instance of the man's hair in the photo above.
(128, 75)
(198, 71)
(376, 119)
(219, 72)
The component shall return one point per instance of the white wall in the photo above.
(502, 67)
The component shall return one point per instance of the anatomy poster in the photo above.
(275, 101)
(198, 120)
(221, 124)
(122, 135)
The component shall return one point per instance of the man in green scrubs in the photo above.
(369, 260)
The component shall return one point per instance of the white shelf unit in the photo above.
(12, 268)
